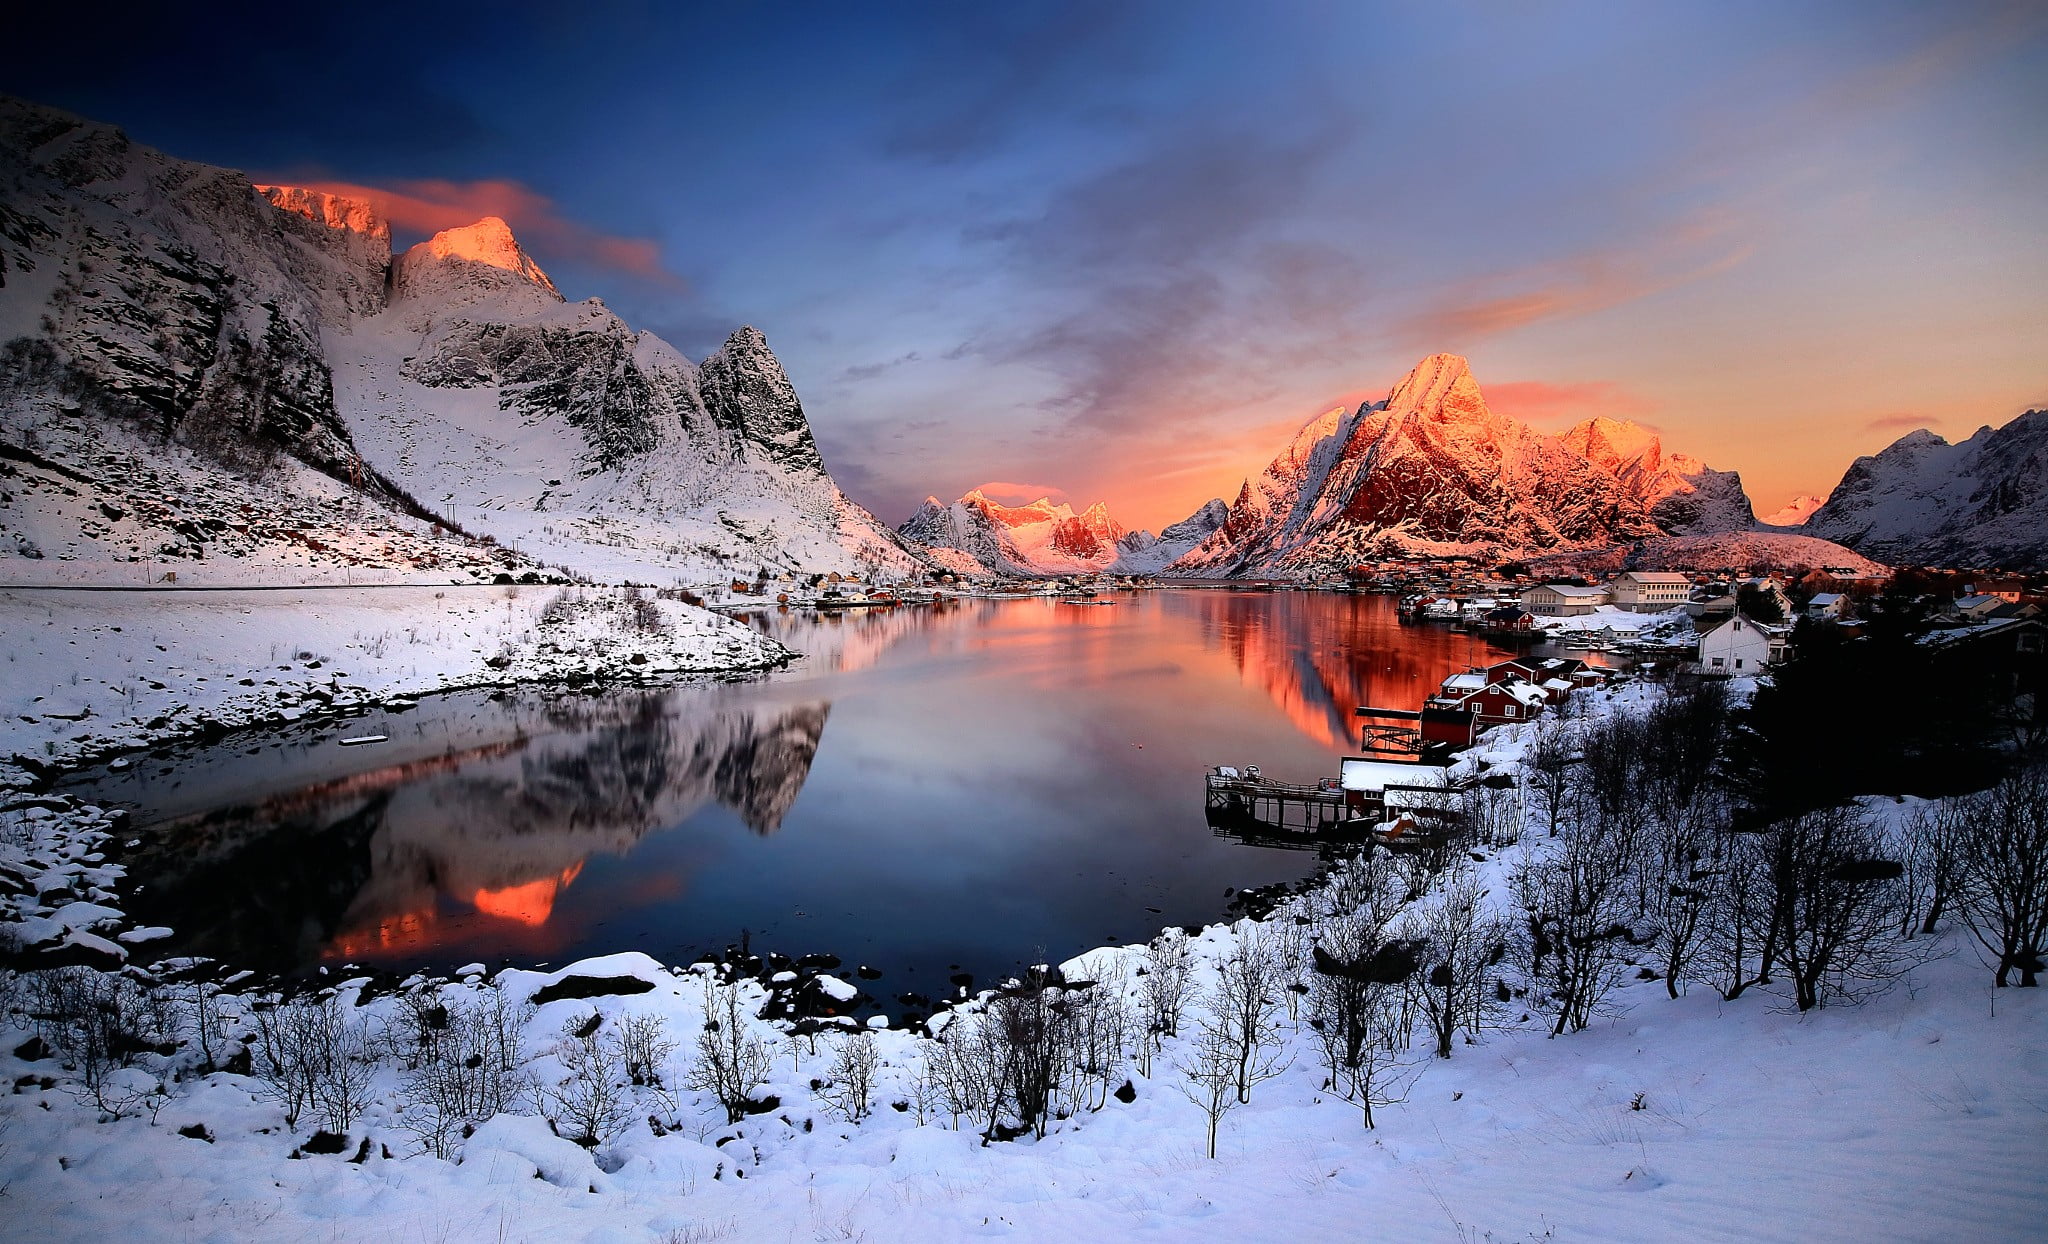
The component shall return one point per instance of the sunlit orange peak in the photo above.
(488, 241)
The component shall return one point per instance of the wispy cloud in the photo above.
(428, 205)
(868, 371)
(1905, 421)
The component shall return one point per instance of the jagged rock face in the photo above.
(167, 294)
(746, 390)
(1431, 468)
(1923, 501)
(1682, 495)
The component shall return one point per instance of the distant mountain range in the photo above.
(1044, 538)
(198, 370)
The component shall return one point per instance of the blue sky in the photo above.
(1120, 250)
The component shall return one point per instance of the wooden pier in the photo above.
(1281, 806)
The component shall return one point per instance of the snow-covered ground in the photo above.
(92, 672)
(1920, 1116)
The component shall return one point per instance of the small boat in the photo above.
(363, 739)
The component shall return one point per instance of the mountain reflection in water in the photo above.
(1006, 780)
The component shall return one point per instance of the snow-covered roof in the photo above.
(1567, 589)
(1657, 576)
(1464, 682)
(1979, 602)
(1824, 599)
(1358, 773)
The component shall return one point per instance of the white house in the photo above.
(1826, 605)
(1739, 646)
(1651, 591)
(1561, 600)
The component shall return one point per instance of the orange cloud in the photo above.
(1905, 421)
(1534, 401)
(429, 205)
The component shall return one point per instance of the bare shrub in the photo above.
(850, 1083)
(1209, 1076)
(98, 1023)
(1575, 902)
(313, 1054)
(461, 1064)
(959, 1064)
(1244, 1008)
(644, 1046)
(588, 1104)
(1163, 987)
(1460, 943)
(731, 1061)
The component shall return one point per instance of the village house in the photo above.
(1773, 591)
(1651, 591)
(1740, 646)
(1826, 606)
(1562, 600)
(1502, 703)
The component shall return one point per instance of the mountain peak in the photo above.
(479, 259)
(1440, 385)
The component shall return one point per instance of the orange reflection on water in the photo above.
(531, 903)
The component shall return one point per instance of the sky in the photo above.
(1120, 251)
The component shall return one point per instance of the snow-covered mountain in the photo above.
(1432, 469)
(1981, 502)
(1141, 552)
(255, 358)
(1794, 512)
(1681, 494)
(1044, 538)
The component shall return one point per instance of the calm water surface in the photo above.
(970, 787)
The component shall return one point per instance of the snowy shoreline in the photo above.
(1665, 1117)
(117, 672)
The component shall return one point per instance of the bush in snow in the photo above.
(731, 1061)
(314, 1054)
(1358, 1003)
(1244, 1008)
(1460, 942)
(588, 1103)
(1163, 987)
(850, 1085)
(98, 1024)
(461, 1063)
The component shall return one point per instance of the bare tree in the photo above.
(1100, 1028)
(1686, 858)
(588, 1103)
(1935, 837)
(1459, 942)
(1163, 987)
(1838, 900)
(1575, 904)
(1549, 763)
(850, 1084)
(1245, 1007)
(731, 1061)
(98, 1023)
(1209, 1071)
(2004, 896)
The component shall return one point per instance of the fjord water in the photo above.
(968, 787)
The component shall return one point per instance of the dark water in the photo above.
(970, 787)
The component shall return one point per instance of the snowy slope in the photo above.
(234, 349)
(1978, 503)
(1044, 538)
(1794, 512)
